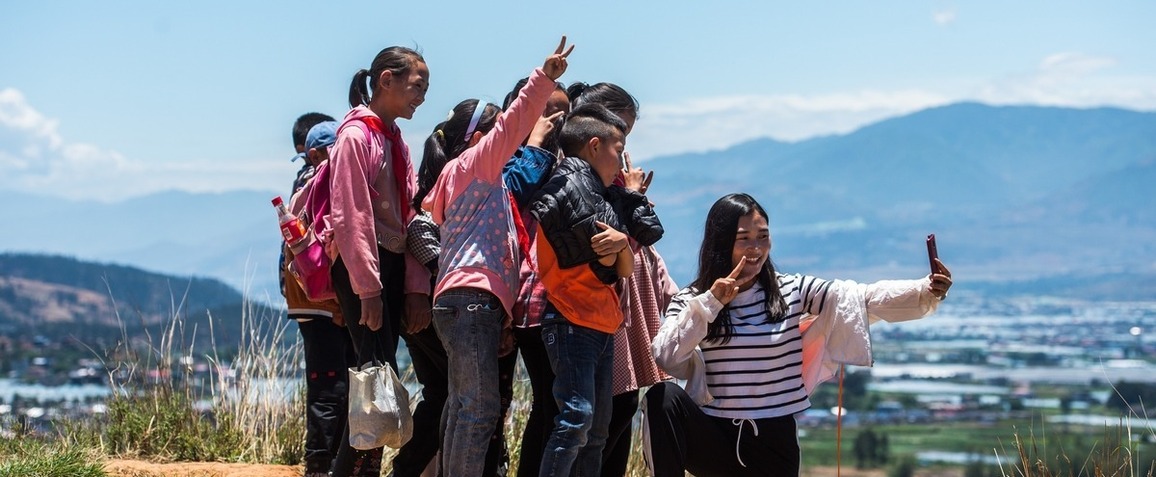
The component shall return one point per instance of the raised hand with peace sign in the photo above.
(555, 64)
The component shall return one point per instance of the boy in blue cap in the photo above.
(328, 352)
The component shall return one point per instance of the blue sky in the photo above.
(108, 100)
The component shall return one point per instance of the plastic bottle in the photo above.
(292, 229)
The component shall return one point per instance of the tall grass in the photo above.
(246, 409)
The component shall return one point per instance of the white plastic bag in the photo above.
(378, 408)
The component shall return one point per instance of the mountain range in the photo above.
(1015, 194)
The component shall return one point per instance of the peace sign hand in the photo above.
(555, 64)
(726, 288)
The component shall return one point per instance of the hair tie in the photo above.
(475, 118)
(440, 134)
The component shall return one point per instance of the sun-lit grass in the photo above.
(248, 408)
(26, 456)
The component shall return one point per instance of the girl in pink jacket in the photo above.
(371, 186)
(480, 256)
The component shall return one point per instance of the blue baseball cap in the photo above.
(323, 134)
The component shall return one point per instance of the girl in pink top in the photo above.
(480, 256)
(371, 186)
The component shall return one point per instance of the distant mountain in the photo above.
(39, 293)
(1012, 192)
(230, 236)
(1017, 193)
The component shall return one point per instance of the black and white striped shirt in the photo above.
(758, 373)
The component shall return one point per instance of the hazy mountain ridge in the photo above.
(1013, 193)
(44, 292)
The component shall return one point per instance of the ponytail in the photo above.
(616, 99)
(395, 59)
(358, 94)
(433, 160)
(575, 90)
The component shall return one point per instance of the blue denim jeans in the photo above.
(583, 361)
(469, 322)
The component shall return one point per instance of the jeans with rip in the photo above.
(469, 322)
(583, 361)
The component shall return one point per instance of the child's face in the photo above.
(405, 92)
(752, 246)
(318, 155)
(628, 118)
(558, 102)
(606, 154)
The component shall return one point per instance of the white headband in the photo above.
(475, 118)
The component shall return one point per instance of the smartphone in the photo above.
(932, 253)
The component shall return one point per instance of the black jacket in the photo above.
(574, 198)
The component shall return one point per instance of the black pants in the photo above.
(380, 345)
(616, 455)
(328, 354)
(543, 408)
(683, 438)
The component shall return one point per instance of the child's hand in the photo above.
(607, 242)
(726, 288)
(634, 177)
(556, 64)
(542, 129)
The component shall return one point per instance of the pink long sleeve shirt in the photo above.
(471, 203)
(364, 210)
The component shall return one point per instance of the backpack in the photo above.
(310, 263)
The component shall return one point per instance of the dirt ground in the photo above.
(137, 468)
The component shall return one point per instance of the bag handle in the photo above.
(367, 336)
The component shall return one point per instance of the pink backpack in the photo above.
(310, 264)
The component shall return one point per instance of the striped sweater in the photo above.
(768, 369)
(758, 372)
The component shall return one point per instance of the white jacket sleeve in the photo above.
(675, 347)
(839, 334)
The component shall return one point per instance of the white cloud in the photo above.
(1071, 79)
(943, 17)
(37, 159)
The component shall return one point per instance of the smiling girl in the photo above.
(372, 185)
(753, 343)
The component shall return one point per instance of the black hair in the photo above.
(304, 123)
(397, 59)
(448, 141)
(616, 99)
(513, 94)
(550, 142)
(716, 254)
(586, 122)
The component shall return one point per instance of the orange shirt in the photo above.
(583, 299)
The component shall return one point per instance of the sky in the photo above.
(110, 100)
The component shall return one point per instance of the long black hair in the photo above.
(448, 141)
(397, 59)
(616, 99)
(715, 261)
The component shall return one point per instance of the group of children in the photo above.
(526, 230)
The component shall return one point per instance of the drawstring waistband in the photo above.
(739, 438)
